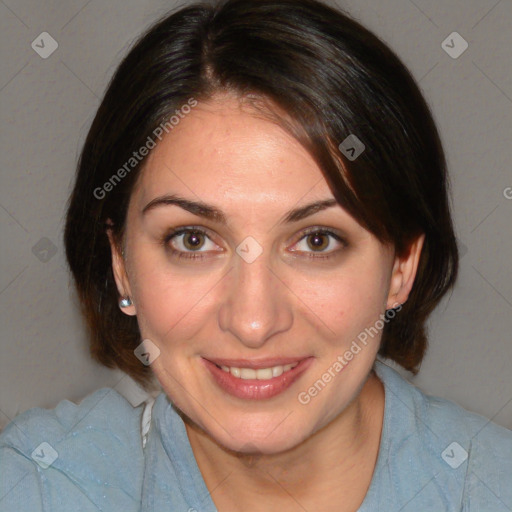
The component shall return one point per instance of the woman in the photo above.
(260, 210)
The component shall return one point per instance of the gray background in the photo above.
(47, 106)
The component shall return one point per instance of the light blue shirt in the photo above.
(434, 456)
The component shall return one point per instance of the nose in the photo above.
(256, 303)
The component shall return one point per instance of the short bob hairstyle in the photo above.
(333, 78)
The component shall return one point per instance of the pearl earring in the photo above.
(125, 302)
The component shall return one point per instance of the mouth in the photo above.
(259, 373)
(256, 379)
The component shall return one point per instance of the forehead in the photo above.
(224, 150)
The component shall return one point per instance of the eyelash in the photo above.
(193, 255)
(325, 232)
(180, 254)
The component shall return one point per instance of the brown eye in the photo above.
(192, 243)
(317, 241)
(193, 240)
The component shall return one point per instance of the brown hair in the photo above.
(333, 78)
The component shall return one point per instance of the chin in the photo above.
(267, 433)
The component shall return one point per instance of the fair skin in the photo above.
(296, 300)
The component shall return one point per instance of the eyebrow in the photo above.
(210, 212)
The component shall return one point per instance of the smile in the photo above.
(260, 373)
(256, 380)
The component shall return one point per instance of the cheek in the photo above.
(344, 303)
(170, 305)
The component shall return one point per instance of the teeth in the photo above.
(246, 373)
(260, 373)
(277, 370)
(264, 373)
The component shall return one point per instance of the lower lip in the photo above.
(255, 389)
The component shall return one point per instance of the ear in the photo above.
(120, 275)
(404, 271)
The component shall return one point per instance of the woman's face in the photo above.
(247, 286)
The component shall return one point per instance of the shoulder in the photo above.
(75, 456)
(467, 457)
(477, 448)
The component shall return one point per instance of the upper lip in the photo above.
(255, 363)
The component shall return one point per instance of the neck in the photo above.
(336, 461)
